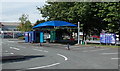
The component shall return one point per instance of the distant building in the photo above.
(9, 26)
(9, 29)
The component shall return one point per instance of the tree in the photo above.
(38, 22)
(110, 13)
(93, 16)
(25, 24)
(23, 18)
(28, 26)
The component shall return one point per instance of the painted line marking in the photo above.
(45, 51)
(6, 51)
(109, 53)
(95, 50)
(45, 66)
(37, 50)
(40, 50)
(14, 48)
(115, 58)
(11, 41)
(9, 53)
(63, 56)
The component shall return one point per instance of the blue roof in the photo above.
(54, 23)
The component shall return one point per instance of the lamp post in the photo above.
(78, 32)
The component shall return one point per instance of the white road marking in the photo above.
(115, 58)
(63, 56)
(95, 50)
(6, 51)
(11, 41)
(14, 48)
(109, 53)
(40, 50)
(45, 51)
(45, 66)
(11, 53)
(37, 50)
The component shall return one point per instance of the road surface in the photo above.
(26, 56)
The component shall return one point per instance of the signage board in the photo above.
(108, 38)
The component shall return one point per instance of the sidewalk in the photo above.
(59, 45)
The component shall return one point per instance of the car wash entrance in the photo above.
(34, 37)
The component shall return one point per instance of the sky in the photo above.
(11, 10)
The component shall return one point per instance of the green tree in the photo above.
(93, 16)
(38, 22)
(25, 24)
(110, 13)
(28, 26)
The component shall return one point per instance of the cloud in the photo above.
(19, 6)
(23, 0)
(35, 17)
(0, 11)
(12, 11)
(10, 18)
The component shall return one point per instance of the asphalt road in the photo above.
(56, 56)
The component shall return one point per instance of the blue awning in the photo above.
(54, 23)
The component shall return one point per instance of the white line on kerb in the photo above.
(109, 53)
(95, 50)
(9, 53)
(115, 58)
(14, 48)
(45, 66)
(63, 56)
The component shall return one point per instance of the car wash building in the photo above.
(49, 31)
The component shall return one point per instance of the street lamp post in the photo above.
(78, 32)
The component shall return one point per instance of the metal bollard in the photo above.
(68, 46)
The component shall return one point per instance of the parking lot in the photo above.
(58, 57)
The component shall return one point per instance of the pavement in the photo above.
(56, 56)
(98, 42)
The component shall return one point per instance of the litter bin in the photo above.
(83, 43)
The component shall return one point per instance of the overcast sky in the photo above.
(11, 10)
